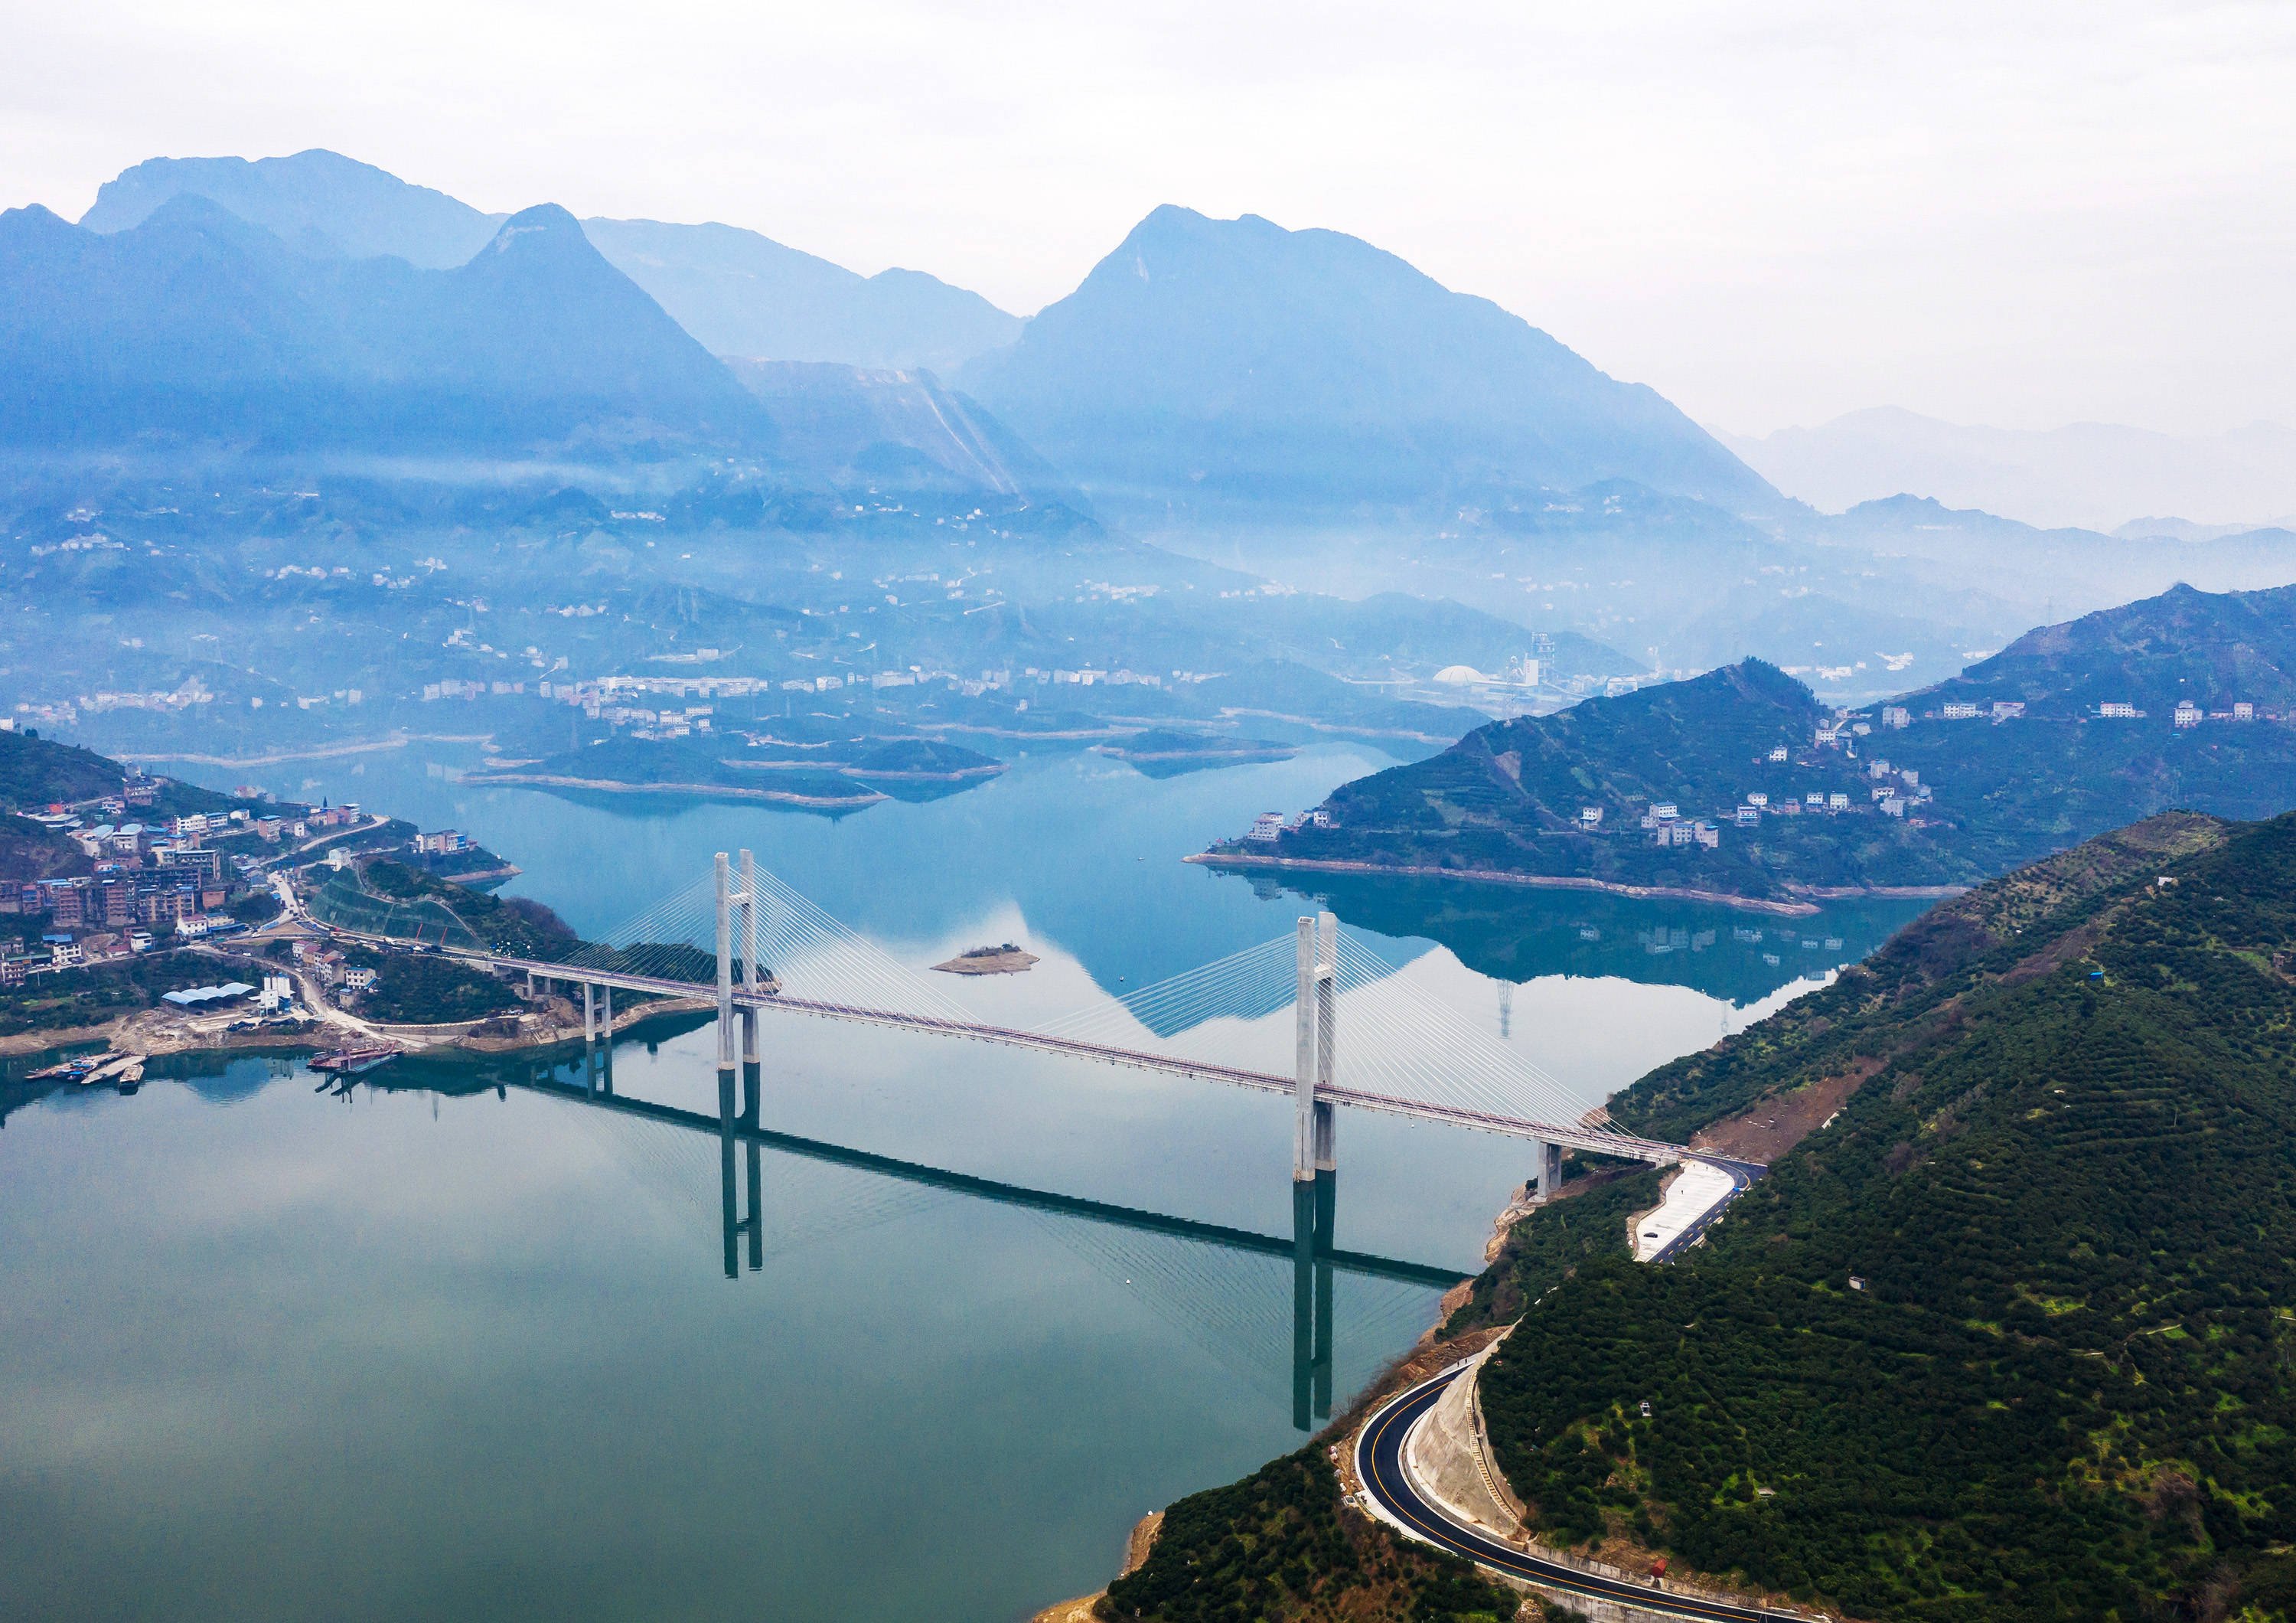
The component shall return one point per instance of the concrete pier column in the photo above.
(589, 1014)
(1327, 1037)
(1546, 1166)
(1303, 1073)
(1316, 1014)
(606, 1040)
(752, 980)
(752, 976)
(724, 978)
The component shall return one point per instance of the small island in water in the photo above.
(1004, 959)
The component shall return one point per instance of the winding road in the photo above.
(1379, 1466)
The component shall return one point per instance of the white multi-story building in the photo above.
(1267, 826)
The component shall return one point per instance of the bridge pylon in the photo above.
(1315, 1137)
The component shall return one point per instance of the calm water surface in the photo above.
(453, 1350)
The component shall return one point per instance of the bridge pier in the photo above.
(1546, 1165)
(751, 981)
(1315, 1132)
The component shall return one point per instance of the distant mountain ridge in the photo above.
(1507, 799)
(1213, 368)
(743, 294)
(195, 325)
(317, 202)
(2095, 475)
(736, 291)
(2213, 649)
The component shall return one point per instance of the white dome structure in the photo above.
(1460, 676)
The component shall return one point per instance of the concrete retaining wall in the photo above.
(1448, 1458)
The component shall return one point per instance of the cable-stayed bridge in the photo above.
(744, 940)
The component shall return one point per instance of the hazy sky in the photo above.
(2021, 214)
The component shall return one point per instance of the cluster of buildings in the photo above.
(1667, 826)
(2189, 714)
(1268, 826)
(157, 876)
(1895, 789)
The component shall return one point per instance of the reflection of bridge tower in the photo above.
(1314, 1212)
(1506, 1009)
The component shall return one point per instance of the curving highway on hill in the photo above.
(1379, 1466)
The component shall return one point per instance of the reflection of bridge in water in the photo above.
(1163, 1258)
(1407, 1054)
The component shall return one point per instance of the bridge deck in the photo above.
(1574, 1134)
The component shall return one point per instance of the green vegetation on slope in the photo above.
(2210, 647)
(27, 852)
(2063, 1390)
(1507, 797)
(1552, 1244)
(389, 898)
(37, 773)
(417, 989)
(1276, 1547)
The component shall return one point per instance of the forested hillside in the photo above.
(2010, 1336)
(1976, 796)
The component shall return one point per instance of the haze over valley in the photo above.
(1124, 817)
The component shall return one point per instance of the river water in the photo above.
(463, 1345)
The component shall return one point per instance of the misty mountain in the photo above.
(744, 295)
(2071, 566)
(735, 292)
(2154, 527)
(1218, 368)
(2093, 475)
(197, 325)
(318, 203)
(894, 430)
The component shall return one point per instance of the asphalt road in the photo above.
(1379, 1466)
(1742, 1175)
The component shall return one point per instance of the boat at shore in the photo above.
(354, 1060)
